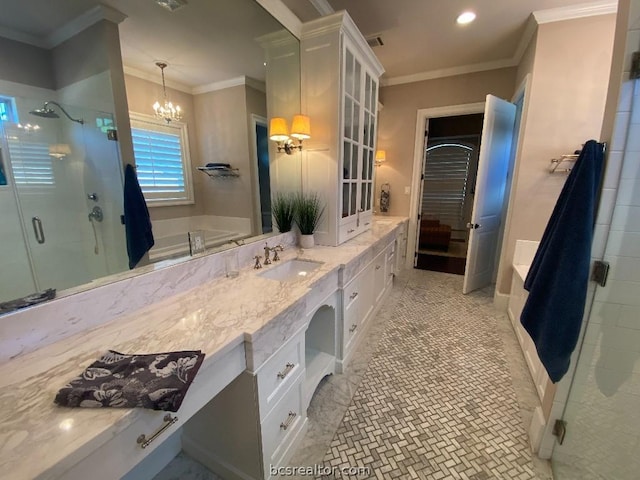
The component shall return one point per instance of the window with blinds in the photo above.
(30, 162)
(162, 160)
(445, 187)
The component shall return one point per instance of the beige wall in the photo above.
(26, 64)
(525, 66)
(566, 105)
(141, 95)
(223, 136)
(397, 127)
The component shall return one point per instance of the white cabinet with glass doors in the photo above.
(340, 94)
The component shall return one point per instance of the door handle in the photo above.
(473, 226)
(38, 231)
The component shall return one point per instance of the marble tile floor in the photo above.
(440, 390)
(437, 390)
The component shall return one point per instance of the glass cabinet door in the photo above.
(352, 135)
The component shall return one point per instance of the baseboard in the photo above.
(536, 430)
(501, 301)
(213, 462)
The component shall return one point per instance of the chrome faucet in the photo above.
(257, 264)
(267, 260)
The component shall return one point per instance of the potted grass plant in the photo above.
(283, 208)
(308, 212)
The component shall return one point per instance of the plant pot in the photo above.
(306, 241)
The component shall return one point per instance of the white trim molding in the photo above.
(421, 123)
(447, 72)
(322, 6)
(156, 78)
(82, 22)
(281, 13)
(571, 12)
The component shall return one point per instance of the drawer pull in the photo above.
(377, 267)
(353, 295)
(350, 231)
(367, 224)
(287, 423)
(353, 328)
(144, 442)
(286, 371)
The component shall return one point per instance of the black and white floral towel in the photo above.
(157, 381)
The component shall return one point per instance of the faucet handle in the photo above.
(275, 252)
(257, 264)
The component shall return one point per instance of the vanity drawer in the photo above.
(347, 231)
(281, 426)
(277, 374)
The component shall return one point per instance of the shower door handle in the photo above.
(37, 229)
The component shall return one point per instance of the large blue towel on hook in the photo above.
(137, 223)
(559, 274)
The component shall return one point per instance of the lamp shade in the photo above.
(278, 131)
(301, 127)
(381, 156)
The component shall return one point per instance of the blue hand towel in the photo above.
(137, 223)
(559, 275)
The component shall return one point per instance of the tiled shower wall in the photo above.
(603, 439)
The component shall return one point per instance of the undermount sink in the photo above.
(290, 270)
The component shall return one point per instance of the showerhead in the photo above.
(46, 112)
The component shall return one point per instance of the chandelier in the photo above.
(167, 110)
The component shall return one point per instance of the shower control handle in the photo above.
(38, 231)
(96, 214)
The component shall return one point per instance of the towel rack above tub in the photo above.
(567, 161)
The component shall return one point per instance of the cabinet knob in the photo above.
(353, 328)
(350, 231)
(377, 267)
(353, 295)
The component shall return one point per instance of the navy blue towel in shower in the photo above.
(137, 223)
(559, 274)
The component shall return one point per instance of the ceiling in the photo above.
(204, 42)
(210, 41)
(421, 37)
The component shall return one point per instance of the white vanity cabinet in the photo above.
(339, 77)
(253, 423)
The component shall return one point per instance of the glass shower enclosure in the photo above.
(60, 197)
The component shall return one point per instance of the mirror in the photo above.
(82, 74)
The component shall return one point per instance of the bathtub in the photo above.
(178, 245)
(172, 237)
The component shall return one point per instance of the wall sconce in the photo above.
(381, 156)
(59, 150)
(279, 133)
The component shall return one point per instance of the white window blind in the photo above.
(445, 183)
(162, 160)
(30, 162)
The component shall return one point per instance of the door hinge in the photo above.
(635, 65)
(112, 134)
(560, 430)
(600, 272)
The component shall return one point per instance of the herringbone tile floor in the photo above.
(437, 400)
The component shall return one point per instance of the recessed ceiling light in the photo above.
(466, 17)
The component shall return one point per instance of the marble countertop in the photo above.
(38, 438)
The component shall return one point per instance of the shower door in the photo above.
(602, 412)
(61, 171)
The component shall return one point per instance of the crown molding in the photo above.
(156, 78)
(232, 82)
(281, 13)
(572, 12)
(22, 37)
(528, 34)
(82, 22)
(322, 6)
(448, 72)
(68, 30)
